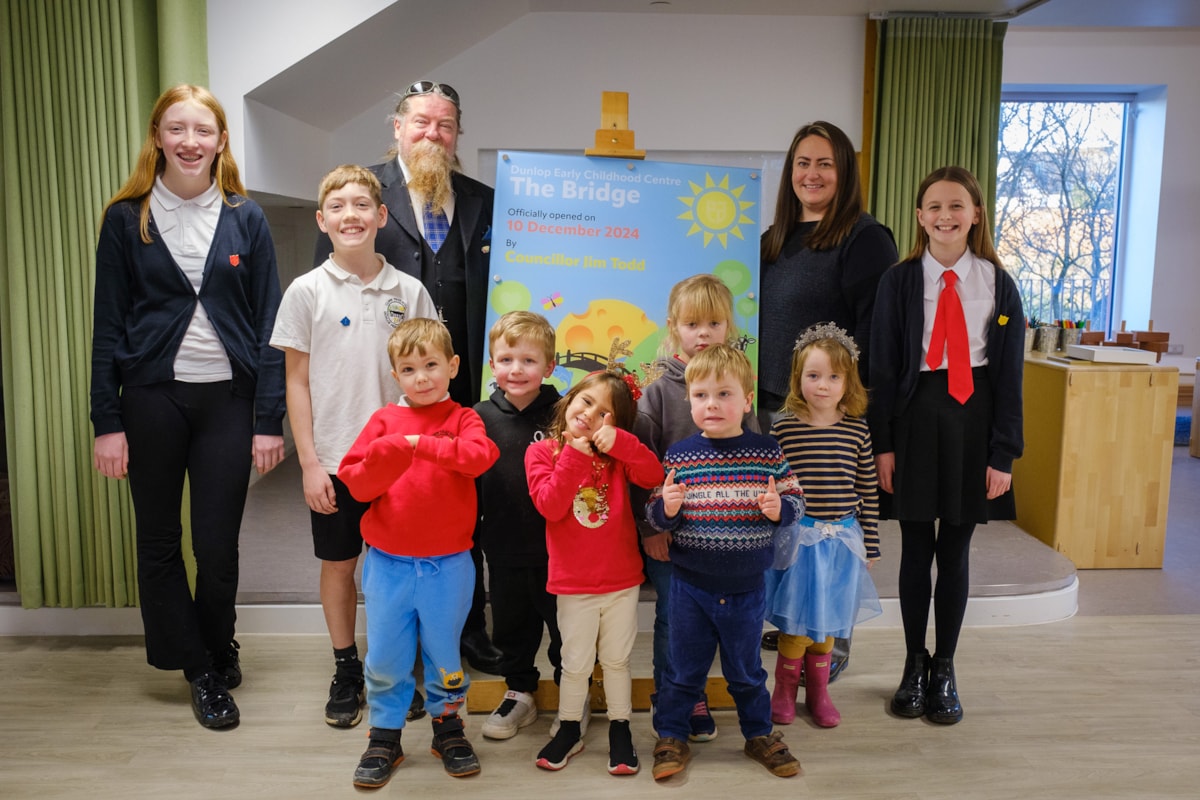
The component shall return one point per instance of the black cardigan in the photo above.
(896, 332)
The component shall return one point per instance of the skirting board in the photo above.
(1030, 609)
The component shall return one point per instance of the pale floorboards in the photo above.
(1091, 707)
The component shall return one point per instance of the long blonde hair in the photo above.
(979, 238)
(700, 297)
(151, 162)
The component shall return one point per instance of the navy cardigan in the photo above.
(144, 304)
(896, 331)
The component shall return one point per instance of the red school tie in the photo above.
(950, 336)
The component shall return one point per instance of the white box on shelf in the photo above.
(1111, 355)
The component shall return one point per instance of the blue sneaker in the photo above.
(704, 728)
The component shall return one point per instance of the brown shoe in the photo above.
(771, 752)
(671, 755)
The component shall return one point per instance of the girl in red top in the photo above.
(578, 479)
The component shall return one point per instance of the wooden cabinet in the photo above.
(1096, 473)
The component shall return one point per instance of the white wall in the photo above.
(700, 83)
(694, 82)
(1150, 57)
(251, 41)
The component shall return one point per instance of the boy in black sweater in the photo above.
(510, 530)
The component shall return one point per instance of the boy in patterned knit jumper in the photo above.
(727, 491)
(416, 463)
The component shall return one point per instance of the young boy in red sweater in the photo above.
(418, 577)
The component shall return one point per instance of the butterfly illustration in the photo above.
(551, 302)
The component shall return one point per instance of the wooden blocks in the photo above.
(1157, 342)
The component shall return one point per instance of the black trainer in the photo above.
(622, 758)
(382, 755)
(346, 698)
(227, 663)
(212, 704)
(452, 747)
(566, 743)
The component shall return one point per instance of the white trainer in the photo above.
(515, 711)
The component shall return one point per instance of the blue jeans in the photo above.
(700, 622)
(410, 601)
(659, 573)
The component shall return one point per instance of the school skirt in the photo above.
(942, 456)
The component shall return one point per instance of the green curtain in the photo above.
(77, 81)
(937, 89)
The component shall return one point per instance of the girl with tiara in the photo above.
(820, 587)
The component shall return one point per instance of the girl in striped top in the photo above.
(820, 587)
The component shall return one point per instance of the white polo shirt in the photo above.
(344, 327)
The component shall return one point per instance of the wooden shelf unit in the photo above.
(1096, 473)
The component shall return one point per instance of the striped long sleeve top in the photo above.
(836, 470)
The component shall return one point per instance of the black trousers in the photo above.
(520, 607)
(476, 618)
(204, 432)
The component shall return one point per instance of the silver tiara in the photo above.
(828, 330)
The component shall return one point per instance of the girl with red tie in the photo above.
(947, 344)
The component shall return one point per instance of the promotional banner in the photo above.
(595, 245)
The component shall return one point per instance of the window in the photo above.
(1058, 201)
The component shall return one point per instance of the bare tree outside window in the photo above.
(1057, 190)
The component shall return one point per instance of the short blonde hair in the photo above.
(719, 361)
(516, 327)
(419, 334)
(339, 176)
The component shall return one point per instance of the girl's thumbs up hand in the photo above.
(606, 437)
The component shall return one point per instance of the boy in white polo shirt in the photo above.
(333, 326)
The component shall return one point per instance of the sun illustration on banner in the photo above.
(716, 210)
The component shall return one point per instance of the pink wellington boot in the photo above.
(783, 698)
(816, 690)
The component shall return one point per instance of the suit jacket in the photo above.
(400, 242)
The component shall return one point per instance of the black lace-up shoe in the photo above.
(228, 665)
(212, 704)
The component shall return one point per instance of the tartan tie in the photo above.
(950, 336)
(436, 227)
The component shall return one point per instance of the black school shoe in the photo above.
(382, 755)
(480, 653)
(212, 703)
(226, 662)
(452, 747)
(416, 709)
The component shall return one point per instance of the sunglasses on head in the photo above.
(429, 87)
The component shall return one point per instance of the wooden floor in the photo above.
(1091, 707)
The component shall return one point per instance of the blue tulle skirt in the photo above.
(820, 586)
